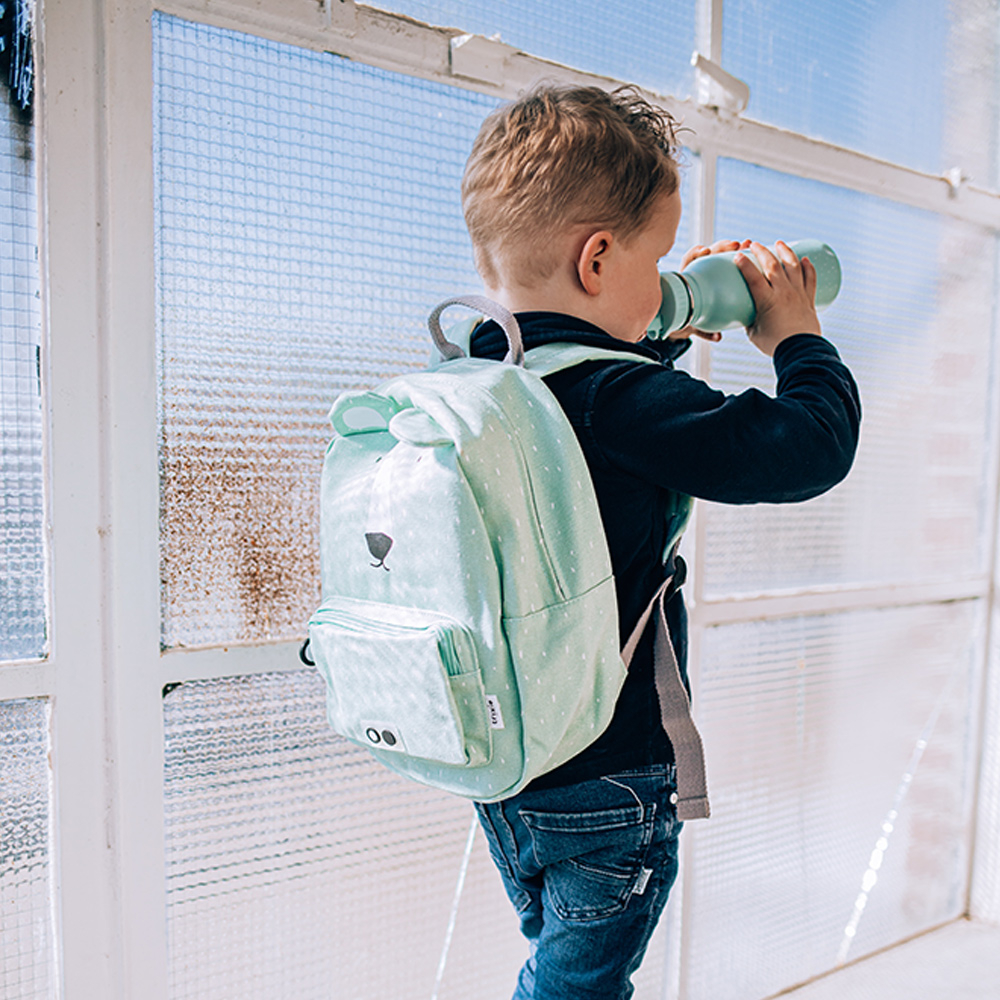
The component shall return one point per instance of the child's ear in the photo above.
(591, 262)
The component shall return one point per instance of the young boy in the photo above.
(571, 198)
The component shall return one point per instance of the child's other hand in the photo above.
(784, 292)
(719, 246)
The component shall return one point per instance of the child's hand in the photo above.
(720, 246)
(784, 292)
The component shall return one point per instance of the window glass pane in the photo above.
(22, 515)
(648, 42)
(308, 219)
(687, 229)
(27, 920)
(913, 321)
(906, 80)
(842, 770)
(984, 901)
(296, 864)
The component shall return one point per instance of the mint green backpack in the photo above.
(468, 633)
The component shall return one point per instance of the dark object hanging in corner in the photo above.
(17, 63)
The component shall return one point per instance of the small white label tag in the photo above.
(640, 886)
(493, 710)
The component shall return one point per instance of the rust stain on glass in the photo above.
(239, 531)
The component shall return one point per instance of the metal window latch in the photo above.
(474, 57)
(715, 88)
(339, 14)
(955, 177)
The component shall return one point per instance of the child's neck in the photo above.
(550, 297)
(561, 293)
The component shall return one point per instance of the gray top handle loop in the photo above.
(491, 310)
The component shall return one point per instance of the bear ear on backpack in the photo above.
(362, 413)
(418, 428)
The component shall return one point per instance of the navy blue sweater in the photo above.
(649, 433)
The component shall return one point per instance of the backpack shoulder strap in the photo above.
(675, 709)
(555, 357)
(545, 360)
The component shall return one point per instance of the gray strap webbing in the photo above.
(675, 710)
(487, 307)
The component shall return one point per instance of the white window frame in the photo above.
(105, 670)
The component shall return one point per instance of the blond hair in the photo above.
(559, 157)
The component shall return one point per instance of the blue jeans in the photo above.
(588, 868)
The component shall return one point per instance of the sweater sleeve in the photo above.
(665, 427)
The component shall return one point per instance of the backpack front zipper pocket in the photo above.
(404, 680)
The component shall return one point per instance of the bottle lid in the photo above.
(675, 306)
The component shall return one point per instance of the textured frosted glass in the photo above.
(906, 80)
(22, 553)
(985, 896)
(308, 219)
(27, 944)
(841, 764)
(687, 228)
(648, 42)
(914, 322)
(299, 868)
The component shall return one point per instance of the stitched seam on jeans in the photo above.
(606, 873)
(516, 861)
(622, 896)
(501, 846)
(619, 784)
(627, 882)
(617, 818)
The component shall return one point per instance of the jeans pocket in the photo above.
(593, 860)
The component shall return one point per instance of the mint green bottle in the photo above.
(712, 295)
